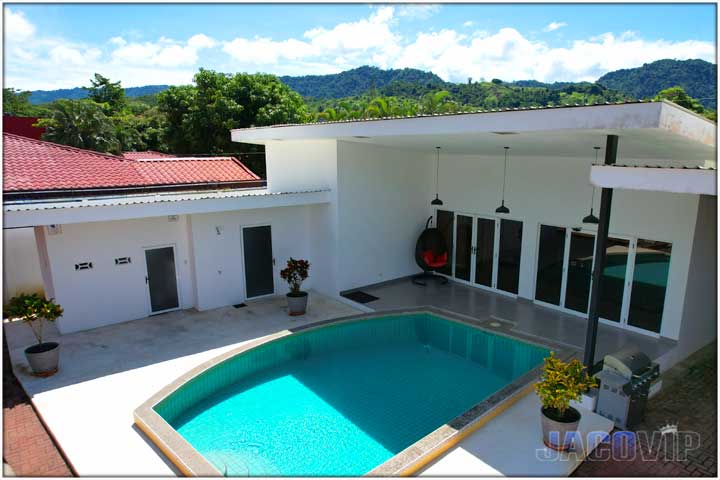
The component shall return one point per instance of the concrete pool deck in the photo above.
(106, 373)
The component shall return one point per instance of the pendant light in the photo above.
(592, 218)
(502, 208)
(437, 201)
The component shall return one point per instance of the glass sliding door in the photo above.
(509, 251)
(444, 222)
(551, 262)
(650, 276)
(612, 281)
(579, 271)
(463, 246)
(484, 251)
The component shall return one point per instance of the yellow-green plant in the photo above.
(562, 382)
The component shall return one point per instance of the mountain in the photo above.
(696, 77)
(77, 93)
(357, 81)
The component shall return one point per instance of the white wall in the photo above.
(309, 165)
(556, 191)
(384, 199)
(21, 264)
(110, 293)
(294, 166)
(699, 326)
(219, 269)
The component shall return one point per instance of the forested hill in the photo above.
(696, 77)
(44, 96)
(358, 81)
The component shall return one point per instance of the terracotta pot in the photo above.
(297, 303)
(43, 358)
(557, 430)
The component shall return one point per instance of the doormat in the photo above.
(240, 305)
(361, 297)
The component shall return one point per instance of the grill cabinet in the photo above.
(625, 382)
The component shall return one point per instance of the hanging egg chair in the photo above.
(431, 254)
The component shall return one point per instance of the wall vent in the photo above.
(83, 266)
(122, 261)
(54, 229)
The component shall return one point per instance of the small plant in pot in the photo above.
(295, 272)
(35, 310)
(561, 383)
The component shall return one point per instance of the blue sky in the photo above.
(51, 46)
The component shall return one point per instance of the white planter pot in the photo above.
(297, 305)
(556, 434)
(43, 358)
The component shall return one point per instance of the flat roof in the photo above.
(648, 130)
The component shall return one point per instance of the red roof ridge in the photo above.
(66, 147)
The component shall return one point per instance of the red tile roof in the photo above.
(36, 165)
(145, 155)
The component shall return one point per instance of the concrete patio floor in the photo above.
(107, 372)
(525, 316)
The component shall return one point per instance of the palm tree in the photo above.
(82, 124)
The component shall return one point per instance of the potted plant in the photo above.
(35, 311)
(561, 382)
(295, 272)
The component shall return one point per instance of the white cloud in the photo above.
(119, 41)
(164, 53)
(17, 27)
(552, 26)
(62, 54)
(454, 54)
(418, 11)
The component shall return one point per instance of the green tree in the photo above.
(82, 124)
(17, 102)
(678, 96)
(102, 90)
(201, 116)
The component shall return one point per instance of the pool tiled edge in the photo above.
(191, 463)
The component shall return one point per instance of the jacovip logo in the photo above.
(666, 444)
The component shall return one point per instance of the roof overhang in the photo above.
(647, 130)
(124, 207)
(676, 180)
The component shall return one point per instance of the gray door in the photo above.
(161, 279)
(257, 252)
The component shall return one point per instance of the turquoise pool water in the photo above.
(342, 399)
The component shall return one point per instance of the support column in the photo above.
(600, 250)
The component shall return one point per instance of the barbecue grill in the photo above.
(625, 382)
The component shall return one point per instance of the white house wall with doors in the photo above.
(115, 271)
(550, 196)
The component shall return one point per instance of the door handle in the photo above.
(146, 279)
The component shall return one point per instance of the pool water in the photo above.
(342, 399)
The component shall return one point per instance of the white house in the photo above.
(353, 196)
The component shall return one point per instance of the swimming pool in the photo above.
(342, 398)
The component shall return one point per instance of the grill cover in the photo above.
(626, 362)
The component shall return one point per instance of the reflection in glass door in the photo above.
(551, 263)
(509, 255)
(579, 271)
(612, 282)
(444, 222)
(650, 277)
(463, 246)
(484, 251)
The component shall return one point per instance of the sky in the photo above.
(51, 46)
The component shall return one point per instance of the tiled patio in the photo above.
(525, 316)
(689, 400)
(107, 372)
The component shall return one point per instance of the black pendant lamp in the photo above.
(437, 201)
(592, 218)
(502, 208)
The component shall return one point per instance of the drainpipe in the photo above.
(600, 250)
